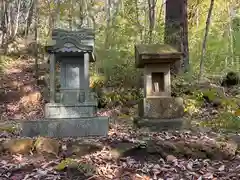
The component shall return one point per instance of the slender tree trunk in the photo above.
(36, 37)
(70, 18)
(3, 25)
(57, 14)
(230, 33)
(151, 16)
(17, 18)
(138, 22)
(108, 19)
(7, 27)
(205, 39)
(29, 18)
(185, 48)
(81, 13)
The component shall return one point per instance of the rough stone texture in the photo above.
(160, 124)
(161, 108)
(45, 145)
(155, 54)
(18, 146)
(55, 110)
(94, 126)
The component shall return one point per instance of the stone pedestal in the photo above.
(161, 108)
(59, 128)
(161, 113)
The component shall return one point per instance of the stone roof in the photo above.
(65, 41)
(155, 54)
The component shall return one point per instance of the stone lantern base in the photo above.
(161, 112)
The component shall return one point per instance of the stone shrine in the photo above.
(72, 109)
(158, 109)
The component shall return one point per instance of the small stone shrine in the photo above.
(158, 109)
(72, 109)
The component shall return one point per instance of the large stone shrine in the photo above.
(72, 109)
(158, 110)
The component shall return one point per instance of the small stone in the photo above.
(81, 149)
(170, 158)
(229, 148)
(208, 176)
(47, 145)
(122, 149)
(18, 146)
(221, 168)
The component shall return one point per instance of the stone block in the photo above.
(59, 128)
(57, 110)
(160, 124)
(161, 108)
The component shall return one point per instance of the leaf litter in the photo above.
(102, 165)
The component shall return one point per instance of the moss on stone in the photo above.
(155, 49)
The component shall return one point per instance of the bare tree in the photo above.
(205, 38)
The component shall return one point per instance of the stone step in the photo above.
(160, 124)
(59, 128)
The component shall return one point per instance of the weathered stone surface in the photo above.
(18, 146)
(95, 126)
(202, 149)
(55, 110)
(155, 53)
(120, 149)
(47, 145)
(160, 124)
(80, 149)
(161, 108)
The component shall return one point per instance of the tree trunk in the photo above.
(205, 38)
(29, 18)
(151, 16)
(230, 33)
(174, 28)
(36, 38)
(3, 24)
(17, 18)
(57, 14)
(185, 48)
(70, 16)
(108, 19)
(138, 21)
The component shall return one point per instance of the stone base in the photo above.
(59, 128)
(161, 108)
(160, 124)
(57, 110)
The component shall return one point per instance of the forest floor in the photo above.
(127, 153)
(21, 98)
